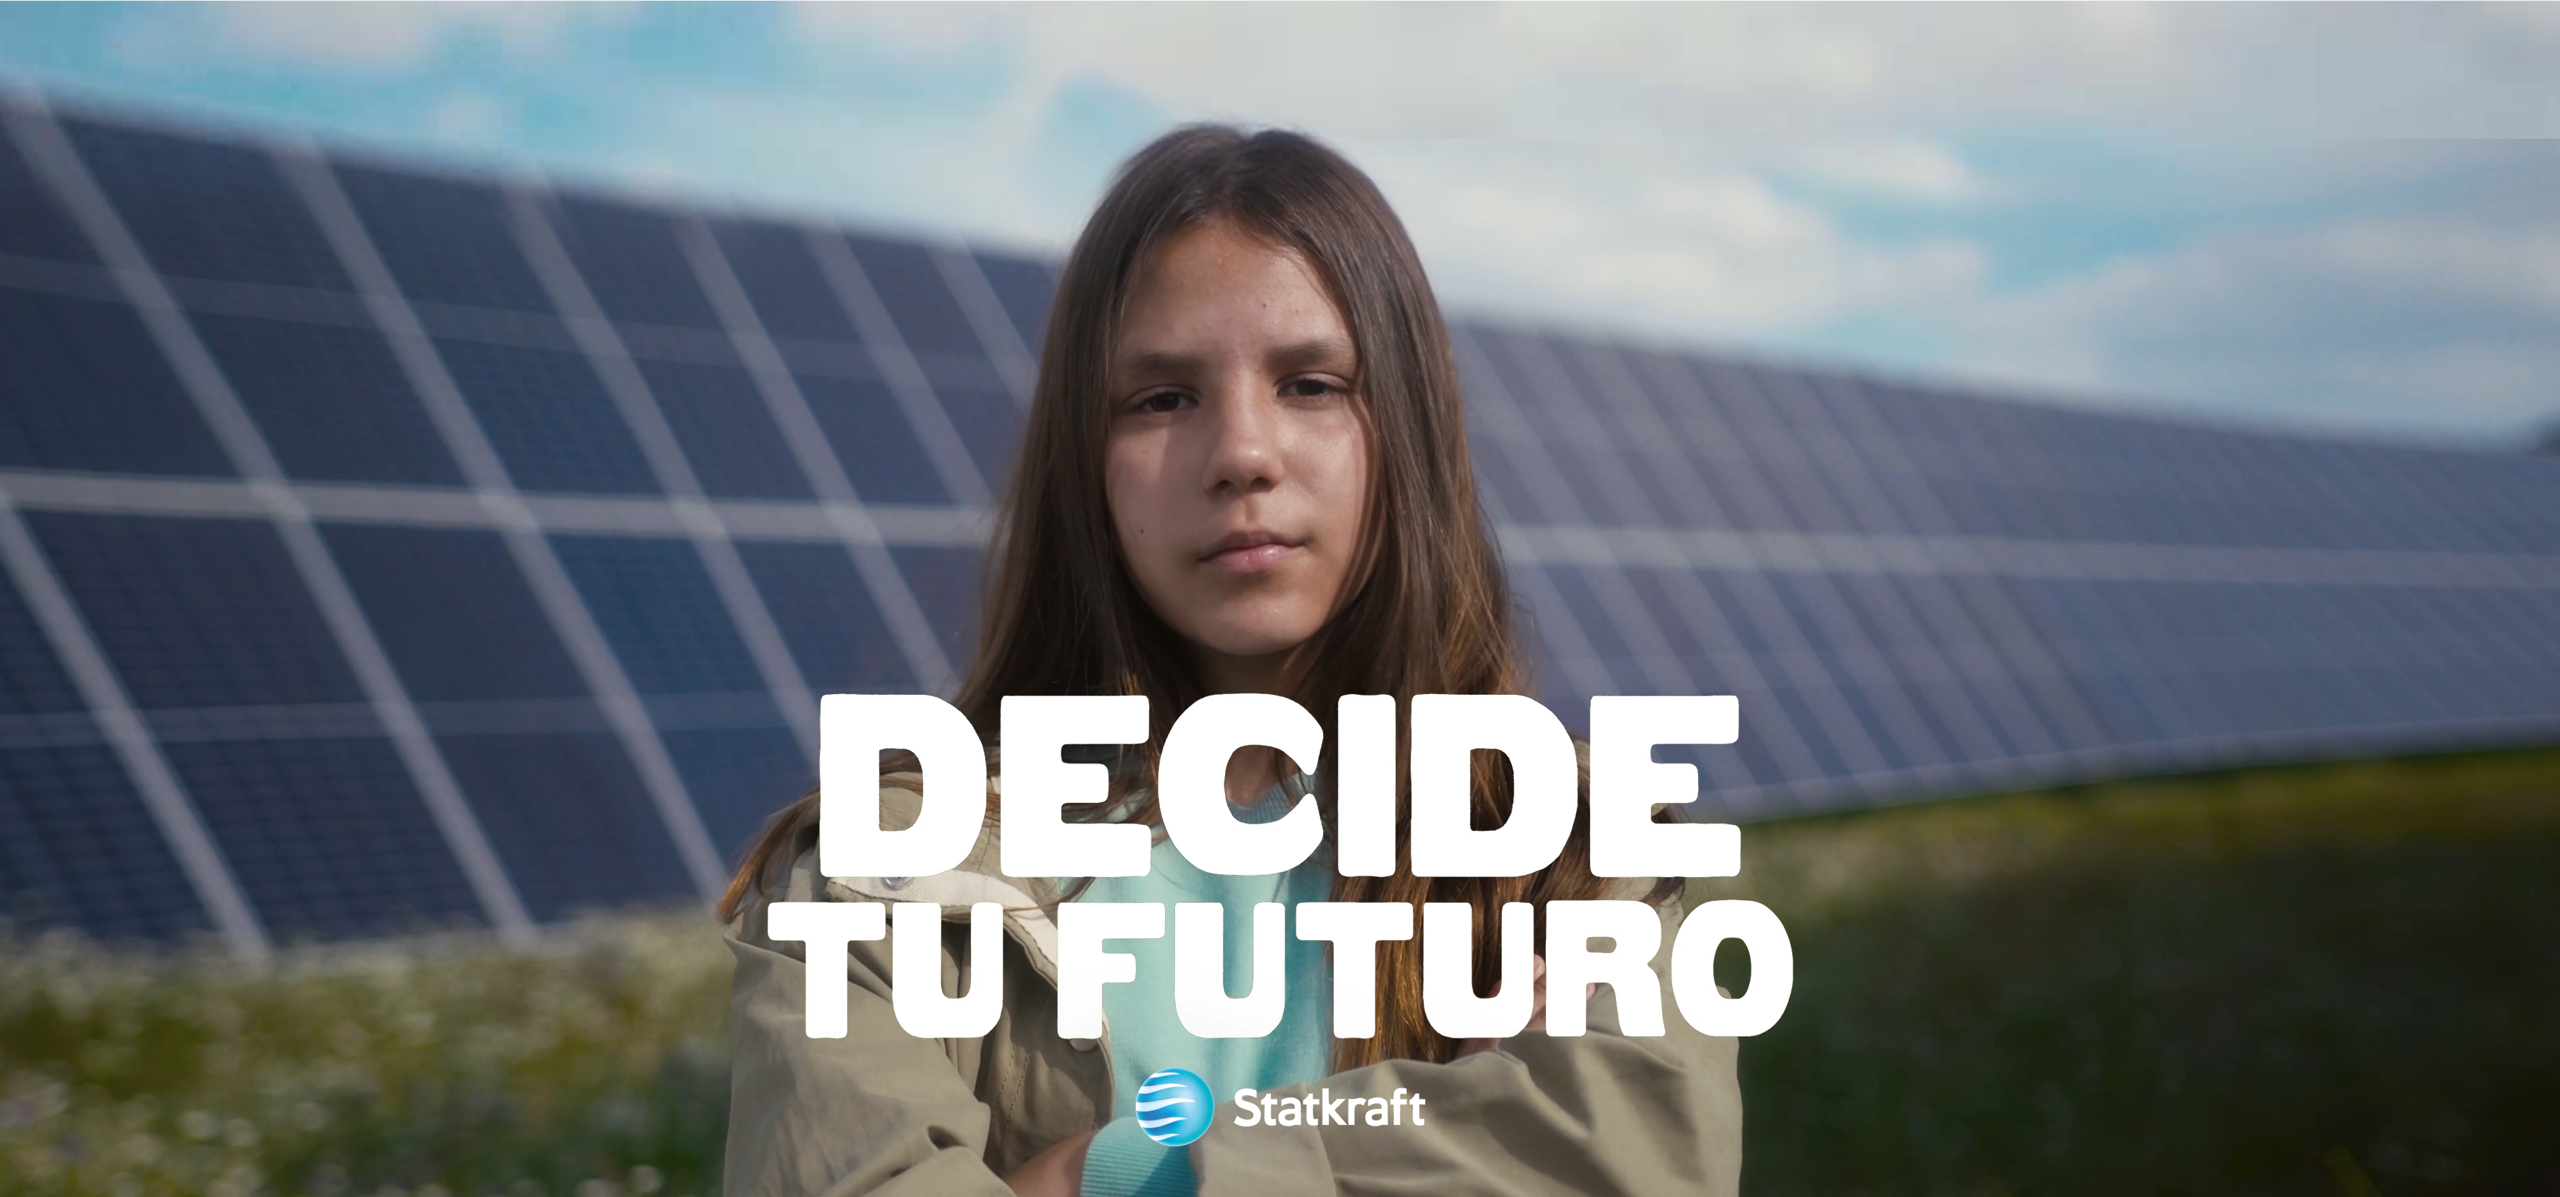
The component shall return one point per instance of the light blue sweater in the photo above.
(1146, 1033)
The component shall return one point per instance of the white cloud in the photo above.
(379, 35)
(468, 117)
(908, 27)
(922, 174)
(1628, 235)
(1752, 72)
(1904, 168)
(1608, 234)
(2393, 324)
(2532, 21)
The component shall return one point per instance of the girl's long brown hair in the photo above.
(1426, 611)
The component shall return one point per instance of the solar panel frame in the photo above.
(660, 610)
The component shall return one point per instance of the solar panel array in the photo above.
(388, 547)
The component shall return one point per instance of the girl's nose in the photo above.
(1243, 454)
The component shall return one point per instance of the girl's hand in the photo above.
(1058, 1171)
(1537, 1008)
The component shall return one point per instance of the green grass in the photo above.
(2329, 979)
(599, 1065)
(2324, 980)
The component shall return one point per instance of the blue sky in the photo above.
(2338, 218)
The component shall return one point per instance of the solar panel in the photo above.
(629, 259)
(878, 449)
(85, 390)
(78, 850)
(196, 613)
(929, 319)
(825, 612)
(33, 221)
(324, 835)
(329, 399)
(659, 609)
(445, 240)
(731, 441)
(456, 617)
(547, 415)
(205, 209)
(32, 683)
(989, 423)
(739, 776)
(790, 293)
(1024, 288)
(1914, 590)
(945, 583)
(568, 816)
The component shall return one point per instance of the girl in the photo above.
(1245, 470)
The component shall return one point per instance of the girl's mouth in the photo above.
(1249, 552)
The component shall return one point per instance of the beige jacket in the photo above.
(881, 1111)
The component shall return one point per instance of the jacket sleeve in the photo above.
(1597, 1113)
(876, 1112)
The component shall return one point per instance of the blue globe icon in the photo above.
(1174, 1106)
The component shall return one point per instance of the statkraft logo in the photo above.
(1322, 1108)
(1174, 1106)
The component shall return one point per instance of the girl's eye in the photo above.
(1160, 401)
(1312, 388)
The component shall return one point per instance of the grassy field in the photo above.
(2323, 980)
(2333, 979)
(431, 1067)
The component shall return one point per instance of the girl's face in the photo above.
(1237, 465)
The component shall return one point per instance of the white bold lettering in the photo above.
(1200, 972)
(1449, 1000)
(1693, 967)
(1038, 842)
(829, 929)
(916, 988)
(1626, 782)
(1084, 967)
(1355, 929)
(1364, 799)
(1447, 729)
(1626, 968)
(1192, 784)
(853, 729)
